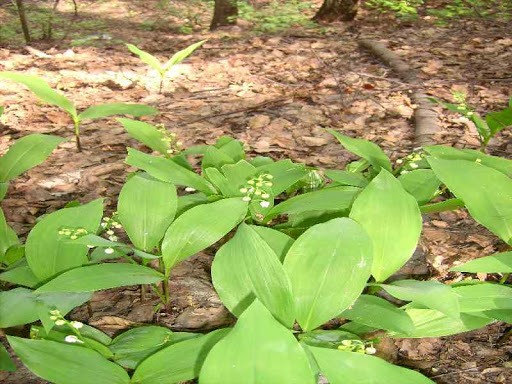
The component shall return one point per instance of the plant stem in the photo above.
(77, 135)
(504, 278)
(447, 205)
(161, 85)
(165, 285)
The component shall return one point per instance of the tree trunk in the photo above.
(337, 10)
(225, 13)
(23, 20)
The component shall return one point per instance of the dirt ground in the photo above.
(277, 93)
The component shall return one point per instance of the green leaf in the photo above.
(326, 338)
(497, 121)
(6, 363)
(231, 147)
(188, 201)
(102, 276)
(63, 364)
(278, 241)
(448, 153)
(392, 219)
(489, 201)
(214, 157)
(168, 171)
(146, 133)
(258, 349)
(342, 367)
(187, 357)
(178, 57)
(147, 58)
(484, 297)
(365, 310)
(26, 153)
(237, 174)
(422, 184)
(200, 227)
(49, 253)
(42, 90)
(432, 323)
(8, 237)
(347, 178)
(259, 273)
(146, 208)
(105, 110)
(431, 294)
(329, 199)
(369, 151)
(4, 186)
(22, 275)
(285, 172)
(328, 267)
(134, 345)
(20, 305)
(497, 263)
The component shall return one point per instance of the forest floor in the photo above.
(277, 93)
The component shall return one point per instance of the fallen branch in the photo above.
(425, 118)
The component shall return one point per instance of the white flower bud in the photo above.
(246, 198)
(399, 161)
(109, 251)
(265, 204)
(413, 165)
(370, 351)
(243, 190)
(190, 189)
(60, 322)
(77, 324)
(265, 195)
(72, 339)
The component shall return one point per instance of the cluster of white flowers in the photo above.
(174, 146)
(258, 189)
(72, 233)
(409, 162)
(109, 224)
(59, 320)
(358, 346)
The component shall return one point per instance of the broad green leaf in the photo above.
(102, 276)
(188, 201)
(26, 153)
(347, 178)
(231, 147)
(484, 297)
(237, 174)
(6, 363)
(42, 90)
(147, 58)
(8, 237)
(497, 121)
(134, 345)
(62, 363)
(392, 219)
(432, 323)
(431, 294)
(4, 186)
(278, 241)
(489, 201)
(342, 367)
(20, 305)
(378, 313)
(369, 151)
(200, 227)
(259, 350)
(178, 57)
(328, 266)
(177, 363)
(168, 171)
(146, 208)
(214, 157)
(497, 263)
(285, 172)
(105, 110)
(326, 338)
(146, 133)
(221, 183)
(49, 253)
(420, 183)
(329, 199)
(504, 315)
(21, 275)
(259, 273)
(449, 153)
